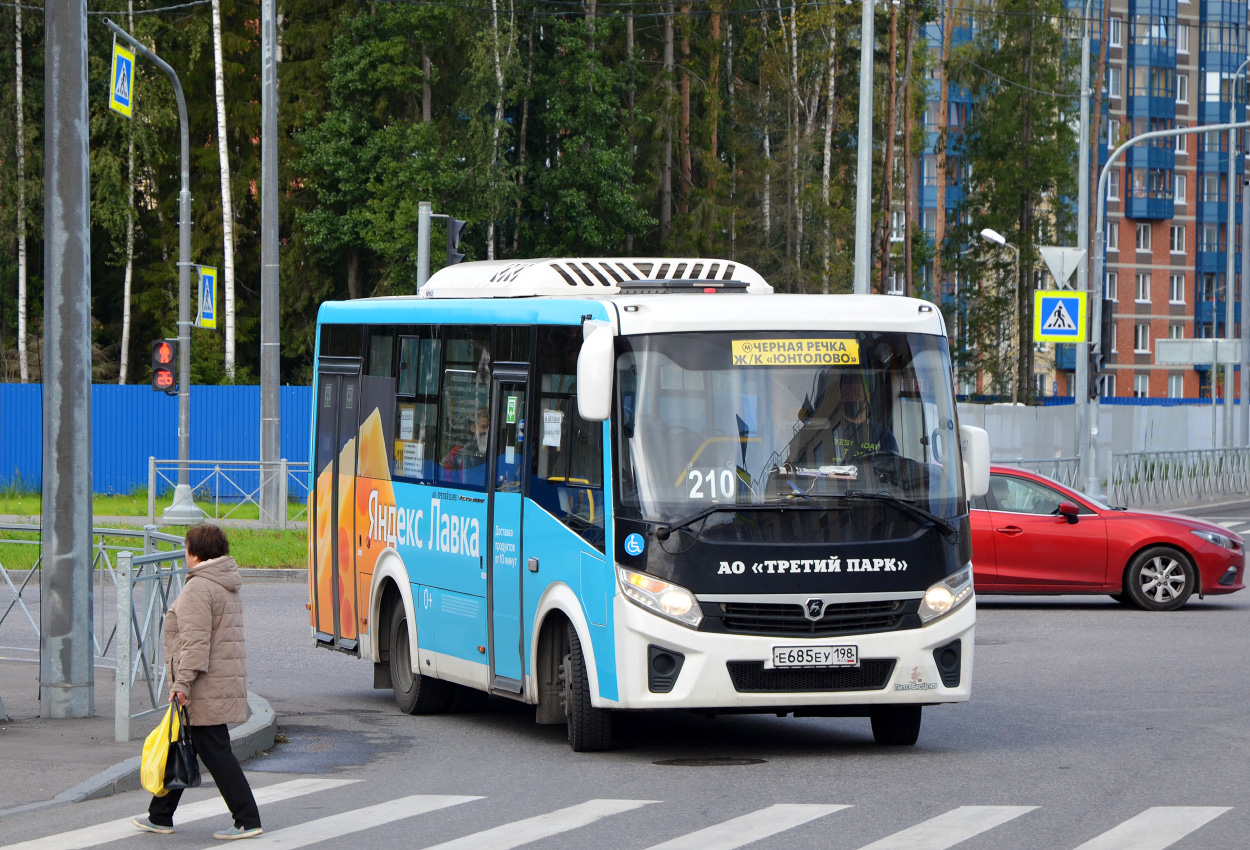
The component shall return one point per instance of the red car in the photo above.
(1031, 534)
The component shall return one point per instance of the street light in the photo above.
(1001, 241)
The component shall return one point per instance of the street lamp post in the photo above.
(863, 169)
(1001, 241)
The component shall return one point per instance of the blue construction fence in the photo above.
(131, 423)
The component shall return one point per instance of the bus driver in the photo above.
(854, 434)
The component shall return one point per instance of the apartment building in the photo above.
(1170, 64)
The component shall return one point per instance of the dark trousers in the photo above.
(212, 745)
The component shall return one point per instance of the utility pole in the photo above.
(1081, 394)
(863, 170)
(272, 511)
(184, 510)
(66, 657)
(1245, 301)
(1228, 283)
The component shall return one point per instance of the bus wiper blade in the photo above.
(662, 532)
(949, 530)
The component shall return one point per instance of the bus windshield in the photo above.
(787, 419)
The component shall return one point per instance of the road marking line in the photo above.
(949, 829)
(543, 826)
(748, 828)
(346, 823)
(103, 833)
(1155, 828)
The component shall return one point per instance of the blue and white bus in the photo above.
(600, 485)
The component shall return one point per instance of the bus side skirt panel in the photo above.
(558, 596)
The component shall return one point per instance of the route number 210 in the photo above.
(725, 478)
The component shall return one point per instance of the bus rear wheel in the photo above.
(590, 728)
(895, 725)
(414, 693)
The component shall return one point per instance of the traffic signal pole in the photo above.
(184, 510)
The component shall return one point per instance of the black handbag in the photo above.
(182, 768)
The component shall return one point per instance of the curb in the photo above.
(274, 574)
(247, 739)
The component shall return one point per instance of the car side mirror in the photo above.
(594, 371)
(1069, 511)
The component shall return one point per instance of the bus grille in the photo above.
(750, 677)
(849, 618)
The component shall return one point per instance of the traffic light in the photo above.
(455, 227)
(1097, 357)
(164, 362)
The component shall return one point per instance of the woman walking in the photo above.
(208, 667)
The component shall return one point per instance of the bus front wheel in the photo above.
(414, 693)
(895, 725)
(590, 728)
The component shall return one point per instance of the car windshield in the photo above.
(802, 419)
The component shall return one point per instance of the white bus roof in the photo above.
(594, 276)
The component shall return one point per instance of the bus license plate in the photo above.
(816, 656)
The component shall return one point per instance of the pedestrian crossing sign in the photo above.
(1059, 316)
(207, 316)
(121, 81)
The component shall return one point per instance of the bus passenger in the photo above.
(470, 458)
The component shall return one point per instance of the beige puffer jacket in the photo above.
(204, 644)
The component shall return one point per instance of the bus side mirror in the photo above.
(595, 363)
(975, 443)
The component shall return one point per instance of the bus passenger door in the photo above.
(335, 605)
(504, 498)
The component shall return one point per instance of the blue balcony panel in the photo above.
(1212, 261)
(1202, 315)
(1065, 357)
(1150, 106)
(1211, 211)
(1149, 209)
(1158, 55)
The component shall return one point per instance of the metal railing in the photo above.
(228, 485)
(105, 549)
(1177, 478)
(146, 585)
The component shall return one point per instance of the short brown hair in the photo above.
(206, 542)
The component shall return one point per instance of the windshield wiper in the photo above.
(949, 530)
(662, 532)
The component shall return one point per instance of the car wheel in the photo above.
(414, 693)
(1159, 579)
(895, 725)
(590, 728)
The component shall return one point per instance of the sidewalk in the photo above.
(51, 762)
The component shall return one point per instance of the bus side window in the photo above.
(416, 406)
(464, 423)
(567, 455)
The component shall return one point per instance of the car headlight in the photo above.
(664, 598)
(1218, 539)
(945, 596)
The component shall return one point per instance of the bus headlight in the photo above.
(664, 598)
(945, 596)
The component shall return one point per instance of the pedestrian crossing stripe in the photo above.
(207, 316)
(1059, 316)
(1155, 828)
(121, 80)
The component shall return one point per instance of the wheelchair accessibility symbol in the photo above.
(634, 544)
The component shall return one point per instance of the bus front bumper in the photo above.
(733, 672)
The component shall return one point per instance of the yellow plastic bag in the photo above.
(156, 753)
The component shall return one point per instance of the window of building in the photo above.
(1141, 338)
(1143, 236)
(1106, 386)
(1212, 187)
(1176, 386)
(1211, 241)
(930, 170)
(566, 457)
(928, 220)
(1113, 184)
(1112, 286)
(1111, 342)
(1116, 33)
(898, 225)
(1141, 386)
(1176, 331)
(1113, 83)
(1113, 133)
(1210, 285)
(1113, 236)
(897, 282)
(1143, 287)
(1176, 289)
(1182, 39)
(1182, 142)
(1176, 241)
(1182, 88)
(1180, 189)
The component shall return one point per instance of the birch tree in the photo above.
(227, 207)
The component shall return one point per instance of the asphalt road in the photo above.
(1092, 726)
